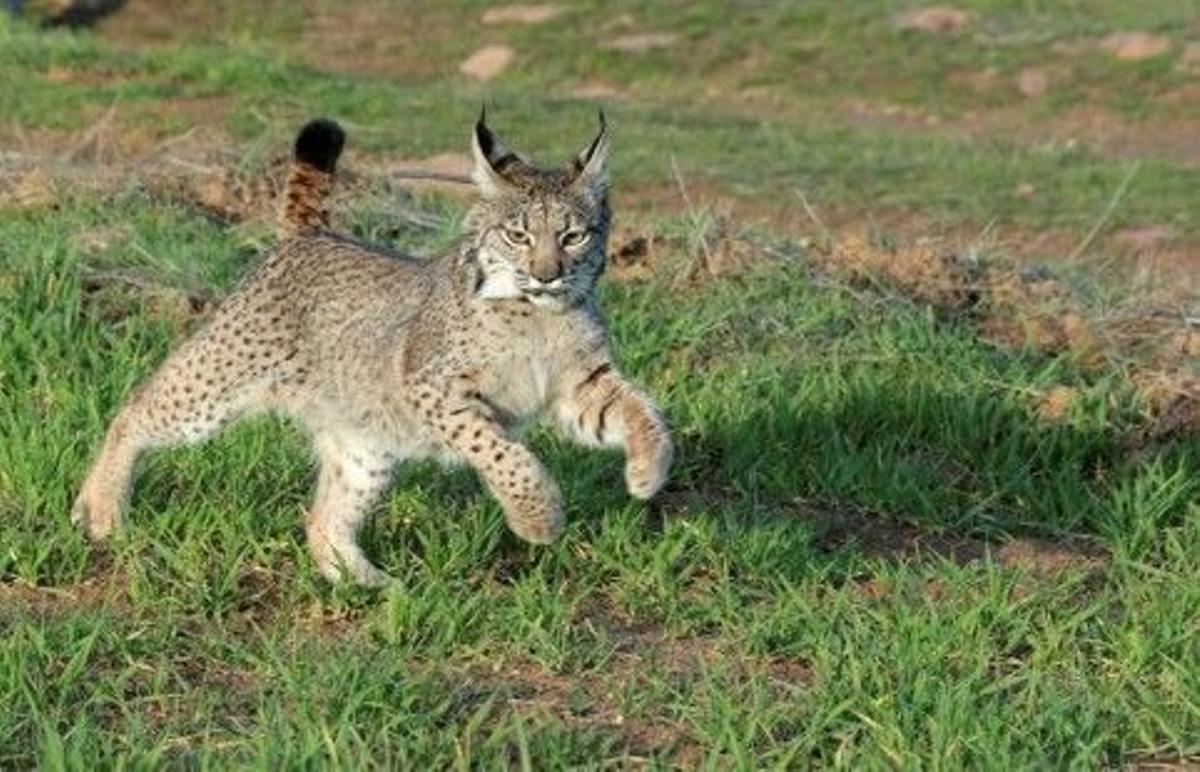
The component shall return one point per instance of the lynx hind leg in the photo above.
(353, 472)
(200, 388)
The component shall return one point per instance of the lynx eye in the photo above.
(573, 238)
(516, 237)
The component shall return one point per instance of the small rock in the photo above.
(521, 14)
(937, 19)
(642, 42)
(487, 62)
(1135, 46)
(1032, 82)
(1025, 190)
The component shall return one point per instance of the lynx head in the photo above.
(541, 234)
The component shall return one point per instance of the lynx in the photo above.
(384, 357)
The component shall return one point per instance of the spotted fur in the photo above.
(383, 357)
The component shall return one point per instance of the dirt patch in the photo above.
(1101, 131)
(924, 270)
(42, 601)
(1135, 46)
(937, 20)
(879, 536)
(1144, 239)
(1049, 558)
(1033, 82)
(581, 702)
(107, 586)
(642, 653)
(1164, 764)
(718, 250)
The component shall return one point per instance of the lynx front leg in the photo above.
(530, 498)
(601, 408)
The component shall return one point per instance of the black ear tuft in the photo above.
(601, 136)
(320, 144)
(484, 135)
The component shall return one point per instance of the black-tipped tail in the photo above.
(304, 206)
(320, 144)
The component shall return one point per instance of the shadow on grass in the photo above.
(930, 476)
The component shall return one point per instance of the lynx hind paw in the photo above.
(97, 521)
(357, 571)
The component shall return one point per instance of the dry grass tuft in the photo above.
(1158, 345)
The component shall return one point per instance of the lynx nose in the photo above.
(546, 270)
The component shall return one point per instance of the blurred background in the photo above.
(1020, 120)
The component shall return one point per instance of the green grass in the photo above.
(732, 623)
(799, 598)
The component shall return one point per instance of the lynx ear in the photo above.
(491, 158)
(591, 167)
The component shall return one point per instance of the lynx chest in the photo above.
(530, 357)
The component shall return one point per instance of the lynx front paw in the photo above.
(538, 524)
(647, 465)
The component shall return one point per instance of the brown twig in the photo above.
(418, 174)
